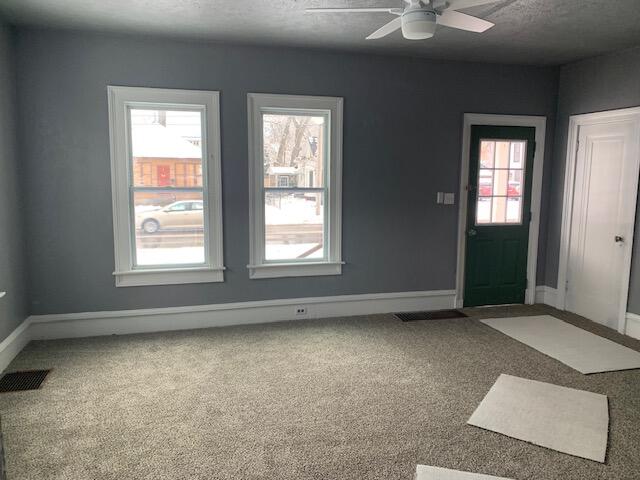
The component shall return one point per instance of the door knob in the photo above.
(619, 239)
(472, 232)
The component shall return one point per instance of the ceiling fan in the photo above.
(418, 19)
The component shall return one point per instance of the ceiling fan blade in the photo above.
(462, 21)
(461, 4)
(386, 29)
(355, 10)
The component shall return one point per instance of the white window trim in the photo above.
(126, 275)
(333, 106)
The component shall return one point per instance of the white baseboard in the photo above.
(204, 316)
(633, 325)
(14, 343)
(546, 295)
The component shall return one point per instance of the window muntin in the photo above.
(295, 222)
(500, 192)
(166, 186)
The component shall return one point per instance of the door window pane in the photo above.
(487, 151)
(514, 209)
(515, 183)
(294, 224)
(499, 210)
(517, 155)
(485, 183)
(502, 154)
(500, 182)
(483, 210)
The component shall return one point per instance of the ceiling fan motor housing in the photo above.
(418, 24)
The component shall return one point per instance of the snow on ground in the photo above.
(292, 210)
(287, 252)
(170, 256)
(195, 255)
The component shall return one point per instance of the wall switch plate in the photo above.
(440, 197)
(449, 198)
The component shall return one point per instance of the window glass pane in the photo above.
(514, 209)
(293, 150)
(517, 155)
(283, 181)
(166, 146)
(499, 210)
(169, 228)
(483, 210)
(515, 183)
(294, 223)
(485, 183)
(487, 149)
(500, 181)
(502, 154)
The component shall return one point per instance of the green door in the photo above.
(498, 214)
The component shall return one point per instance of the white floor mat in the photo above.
(426, 472)
(573, 346)
(563, 419)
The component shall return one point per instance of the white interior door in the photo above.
(602, 221)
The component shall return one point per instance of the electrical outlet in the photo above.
(301, 310)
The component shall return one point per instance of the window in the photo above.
(165, 169)
(500, 182)
(283, 181)
(295, 147)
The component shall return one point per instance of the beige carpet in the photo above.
(345, 399)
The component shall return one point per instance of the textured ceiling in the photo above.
(544, 32)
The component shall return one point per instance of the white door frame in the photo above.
(540, 124)
(575, 122)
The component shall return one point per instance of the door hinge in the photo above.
(535, 145)
(530, 216)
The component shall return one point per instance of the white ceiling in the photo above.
(543, 32)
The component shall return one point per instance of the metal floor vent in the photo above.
(19, 381)
(433, 315)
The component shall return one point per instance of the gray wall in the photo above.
(601, 83)
(402, 138)
(13, 307)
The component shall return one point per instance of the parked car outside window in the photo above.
(178, 215)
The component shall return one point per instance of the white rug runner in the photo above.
(426, 472)
(563, 419)
(573, 346)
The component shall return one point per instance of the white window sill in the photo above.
(169, 276)
(279, 270)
